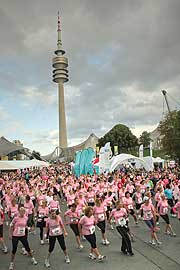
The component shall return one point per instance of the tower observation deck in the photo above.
(60, 76)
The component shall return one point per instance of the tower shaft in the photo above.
(62, 117)
(60, 76)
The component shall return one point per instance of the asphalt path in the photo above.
(165, 257)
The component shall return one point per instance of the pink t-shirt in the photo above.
(138, 197)
(70, 199)
(119, 216)
(20, 224)
(42, 212)
(54, 226)
(54, 205)
(88, 225)
(90, 197)
(73, 217)
(128, 202)
(163, 207)
(29, 207)
(1, 217)
(147, 211)
(13, 210)
(177, 208)
(99, 213)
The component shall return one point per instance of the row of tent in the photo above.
(22, 164)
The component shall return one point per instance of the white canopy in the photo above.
(21, 164)
(125, 158)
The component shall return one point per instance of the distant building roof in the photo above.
(69, 152)
(7, 147)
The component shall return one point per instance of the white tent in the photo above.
(22, 164)
(150, 161)
(126, 158)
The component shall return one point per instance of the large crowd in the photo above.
(50, 198)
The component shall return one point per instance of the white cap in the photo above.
(146, 198)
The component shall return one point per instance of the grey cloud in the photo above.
(121, 53)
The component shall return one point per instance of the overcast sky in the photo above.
(121, 54)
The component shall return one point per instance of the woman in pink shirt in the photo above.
(87, 228)
(163, 212)
(149, 215)
(120, 216)
(177, 208)
(13, 209)
(54, 204)
(90, 197)
(42, 215)
(129, 205)
(100, 218)
(72, 217)
(57, 231)
(17, 233)
(2, 242)
(29, 207)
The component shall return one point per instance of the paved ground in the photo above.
(165, 257)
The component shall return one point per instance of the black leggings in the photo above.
(52, 241)
(91, 238)
(126, 243)
(171, 204)
(23, 240)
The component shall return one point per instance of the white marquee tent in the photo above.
(126, 158)
(22, 164)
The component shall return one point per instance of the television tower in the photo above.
(60, 76)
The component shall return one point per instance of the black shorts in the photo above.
(102, 226)
(75, 229)
(131, 211)
(138, 206)
(166, 218)
(1, 231)
(30, 221)
(91, 204)
(91, 238)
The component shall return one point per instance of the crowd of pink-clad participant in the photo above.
(51, 198)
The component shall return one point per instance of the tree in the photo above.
(145, 139)
(170, 131)
(121, 136)
(36, 155)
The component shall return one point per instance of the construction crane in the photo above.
(165, 97)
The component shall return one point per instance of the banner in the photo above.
(115, 150)
(141, 150)
(150, 149)
(97, 150)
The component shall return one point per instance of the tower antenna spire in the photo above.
(59, 50)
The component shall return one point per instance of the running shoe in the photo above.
(46, 263)
(11, 266)
(34, 262)
(152, 242)
(42, 242)
(92, 256)
(5, 250)
(158, 242)
(173, 234)
(101, 258)
(130, 253)
(81, 247)
(107, 242)
(124, 252)
(67, 260)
